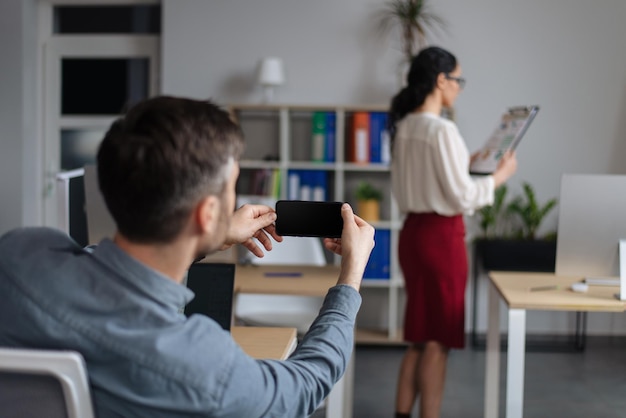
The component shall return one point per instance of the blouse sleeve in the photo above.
(461, 191)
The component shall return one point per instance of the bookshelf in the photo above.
(280, 140)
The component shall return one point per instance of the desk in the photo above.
(513, 289)
(266, 342)
(312, 281)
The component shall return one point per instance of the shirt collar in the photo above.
(141, 276)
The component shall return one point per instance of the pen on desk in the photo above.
(539, 288)
(282, 274)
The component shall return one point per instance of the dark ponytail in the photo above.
(421, 80)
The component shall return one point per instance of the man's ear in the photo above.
(207, 214)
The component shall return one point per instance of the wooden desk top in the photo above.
(514, 287)
(266, 342)
(307, 281)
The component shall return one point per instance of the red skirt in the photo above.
(433, 258)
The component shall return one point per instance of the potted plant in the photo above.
(530, 212)
(368, 201)
(413, 19)
(510, 240)
(491, 215)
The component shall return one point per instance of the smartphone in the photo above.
(299, 218)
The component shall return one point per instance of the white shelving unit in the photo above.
(279, 137)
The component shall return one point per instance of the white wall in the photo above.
(212, 49)
(10, 114)
(565, 55)
(31, 145)
(17, 118)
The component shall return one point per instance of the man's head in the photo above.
(161, 160)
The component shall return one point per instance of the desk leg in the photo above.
(339, 401)
(492, 362)
(516, 352)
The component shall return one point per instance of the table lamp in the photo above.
(271, 74)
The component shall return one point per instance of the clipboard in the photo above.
(507, 135)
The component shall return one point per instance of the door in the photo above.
(88, 80)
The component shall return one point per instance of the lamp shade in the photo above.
(271, 72)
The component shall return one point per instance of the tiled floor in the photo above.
(590, 384)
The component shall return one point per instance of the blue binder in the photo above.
(331, 124)
(379, 264)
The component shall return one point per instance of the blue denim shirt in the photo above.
(144, 357)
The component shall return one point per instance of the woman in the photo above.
(432, 185)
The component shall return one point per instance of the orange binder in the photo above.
(359, 149)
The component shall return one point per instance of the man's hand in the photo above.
(249, 222)
(355, 245)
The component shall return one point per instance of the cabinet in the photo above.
(279, 140)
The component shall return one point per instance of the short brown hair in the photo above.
(160, 159)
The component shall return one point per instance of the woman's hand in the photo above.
(507, 166)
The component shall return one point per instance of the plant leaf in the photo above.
(413, 18)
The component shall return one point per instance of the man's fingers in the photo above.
(347, 213)
(253, 248)
(333, 244)
(263, 239)
(271, 229)
(360, 221)
(265, 220)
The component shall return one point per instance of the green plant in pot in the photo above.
(510, 240)
(530, 212)
(412, 19)
(491, 216)
(368, 201)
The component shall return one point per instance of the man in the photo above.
(167, 171)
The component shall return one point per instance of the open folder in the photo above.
(507, 135)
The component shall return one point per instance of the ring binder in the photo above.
(507, 135)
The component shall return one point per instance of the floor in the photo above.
(568, 383)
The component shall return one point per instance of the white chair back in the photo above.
(30, 380)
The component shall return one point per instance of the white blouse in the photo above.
(430, 168)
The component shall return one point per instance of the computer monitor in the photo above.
(71, 205)
(213, 284)
(592, 221)
(100, 223)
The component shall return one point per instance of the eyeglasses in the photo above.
(459, 80)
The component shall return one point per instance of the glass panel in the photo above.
(79, 147)
(107, 19)
(102, 86)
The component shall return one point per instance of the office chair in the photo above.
(43, 383)
(283, 310)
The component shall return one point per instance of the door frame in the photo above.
(54, 48)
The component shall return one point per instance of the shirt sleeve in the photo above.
(296, 387)
(461, 191)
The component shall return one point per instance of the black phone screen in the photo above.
(309, 219)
